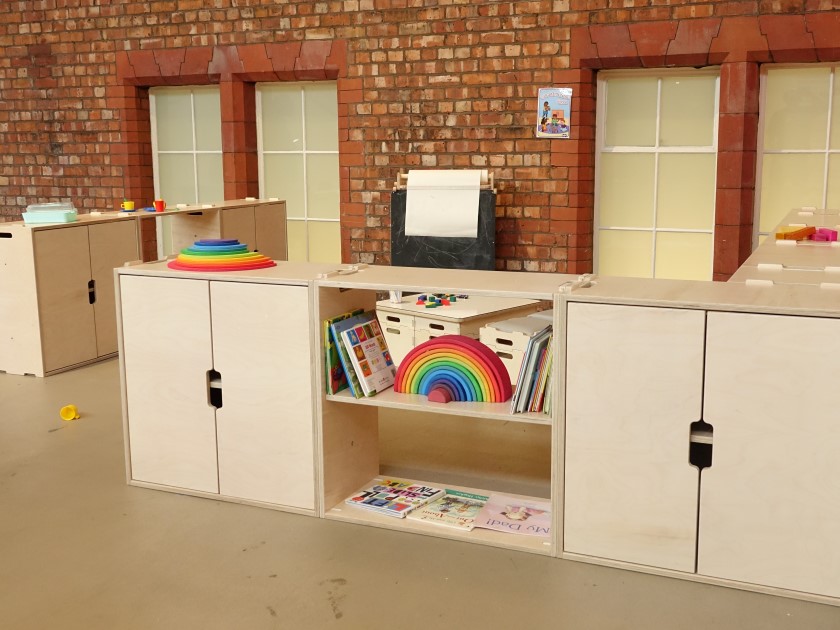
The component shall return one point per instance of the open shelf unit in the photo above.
(359, 437)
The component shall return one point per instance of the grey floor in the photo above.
(81, 549)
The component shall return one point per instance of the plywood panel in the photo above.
(634, 386)
(239, 223)
(167, 353)
(20, 336)
(265, 425)
(769, 512)
(189, 227)
(62, 270)
(111, 245)
(270, 222)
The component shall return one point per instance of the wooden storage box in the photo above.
(398, 329)
(509, 338)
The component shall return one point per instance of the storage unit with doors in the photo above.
(712, 455)
(57, 307)
(218, 382)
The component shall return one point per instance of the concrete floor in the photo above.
(81, 549)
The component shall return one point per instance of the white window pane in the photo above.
(686, 186)
(324, 241)
(321, 116)
(835, 112)
(796, 108)
(175, 178)
(631, 112)
(282, 119)
(296, 235)
(626, 190)
(684, 256)
(687, 114)
(623, 253)
(173, 115)
(283, 175)
(211, 187)
(208, 119)
(833, 200)
(789, 181)
(322, 185)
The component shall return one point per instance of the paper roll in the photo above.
(443, 202)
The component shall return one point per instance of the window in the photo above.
(297, 137)
(656, 157)
(799, 142)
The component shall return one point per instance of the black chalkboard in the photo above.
(445, 252)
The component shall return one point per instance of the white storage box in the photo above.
(398, 329)
(509, 338)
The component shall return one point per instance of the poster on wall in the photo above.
(555, 106)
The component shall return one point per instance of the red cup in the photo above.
(159, 204)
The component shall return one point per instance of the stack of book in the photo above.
(533, 390)
(394, 497)
(356, 354)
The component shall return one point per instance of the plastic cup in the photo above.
(69, 412)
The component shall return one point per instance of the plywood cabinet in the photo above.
(57, 308)
(218, 388)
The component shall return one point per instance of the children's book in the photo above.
(336, 379)
(394, 497)
(515, 516)
(368, 352)
(454, 509)
(554, 107)
(528, 370)
(336, 328)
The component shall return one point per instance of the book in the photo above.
(528, 370)
(454, 509)
(336, 328)
(335, 377)
(368, 352)
(515, 516)
(542, 379)
(394, 497)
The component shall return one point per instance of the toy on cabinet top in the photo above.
(454, 367)
(219, 255)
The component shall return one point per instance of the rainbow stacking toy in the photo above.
(454, 367)
(219, 255)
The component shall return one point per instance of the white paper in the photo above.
(442, 203)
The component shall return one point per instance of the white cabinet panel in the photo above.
(261, 349)
(634, 386)
(167, 353)
(770, 503)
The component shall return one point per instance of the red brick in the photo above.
(311, 64)
(652, 40)
(787, 38)
(736, 169)
(737, 132)
(144, 64)
(225, 62)
(197, 62)
(170, 61)
(336, 64)
(825, 28)
(691, 45)
(582, 52)
(732, 247)
(734, 206)
(739, 39)
(283, 57)
(615, 48)
(739, 88)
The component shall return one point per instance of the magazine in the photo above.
(394, 497)
(555, 105)
(515, 516)
(453, 509)
(335, 377)
(368, 352)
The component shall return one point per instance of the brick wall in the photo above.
(448, 86)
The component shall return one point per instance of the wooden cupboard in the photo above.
(57, 306)
(218, 386)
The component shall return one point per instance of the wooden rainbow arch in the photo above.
(454, 367)
(219, 255)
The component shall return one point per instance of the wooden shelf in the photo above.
(418, 402)
(352, 514)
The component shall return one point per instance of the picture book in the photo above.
(336, 328)
(555, 105)
(394, 497)
(368, 352)
(515, 516)
(454, 509)
(534, 351)
(336, 379)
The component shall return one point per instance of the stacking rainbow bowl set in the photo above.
(219, 255)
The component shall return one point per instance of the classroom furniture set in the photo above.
(57, 307)
(692, 433)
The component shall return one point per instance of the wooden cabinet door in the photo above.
(167, 354)
(62, 270)
(634, 379)
(111, 245)
(261, 345)
(770, 503)
(270, 221)
(238, 223)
